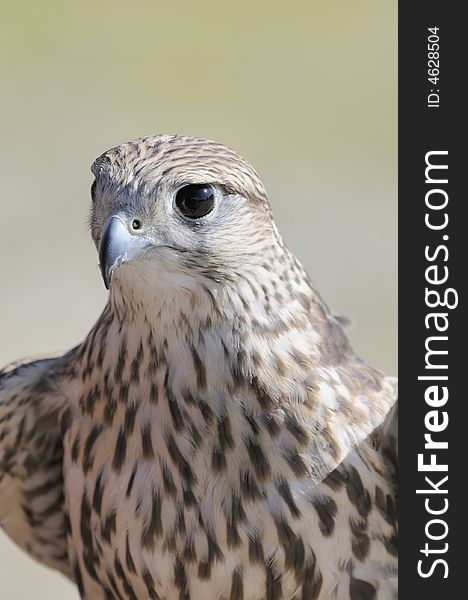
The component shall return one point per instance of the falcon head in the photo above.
(173, 207)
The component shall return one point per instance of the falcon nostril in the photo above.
(136, 224)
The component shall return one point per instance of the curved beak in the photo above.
(117, 246)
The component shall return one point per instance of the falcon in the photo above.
(214, 437)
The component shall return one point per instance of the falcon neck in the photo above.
(264, 326)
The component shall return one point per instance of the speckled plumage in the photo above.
(214, 437)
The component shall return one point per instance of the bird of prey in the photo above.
(214, 437)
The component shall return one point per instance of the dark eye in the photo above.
(195, 201)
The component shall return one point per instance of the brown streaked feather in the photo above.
(31, 479)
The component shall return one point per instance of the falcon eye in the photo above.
(195, 201)
(136, 224)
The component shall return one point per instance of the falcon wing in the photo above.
(31, 480)
(386, 439)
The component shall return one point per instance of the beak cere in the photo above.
(117, 246)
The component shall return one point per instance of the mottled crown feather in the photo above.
(146, 161)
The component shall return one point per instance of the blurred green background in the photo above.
(304, 90)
